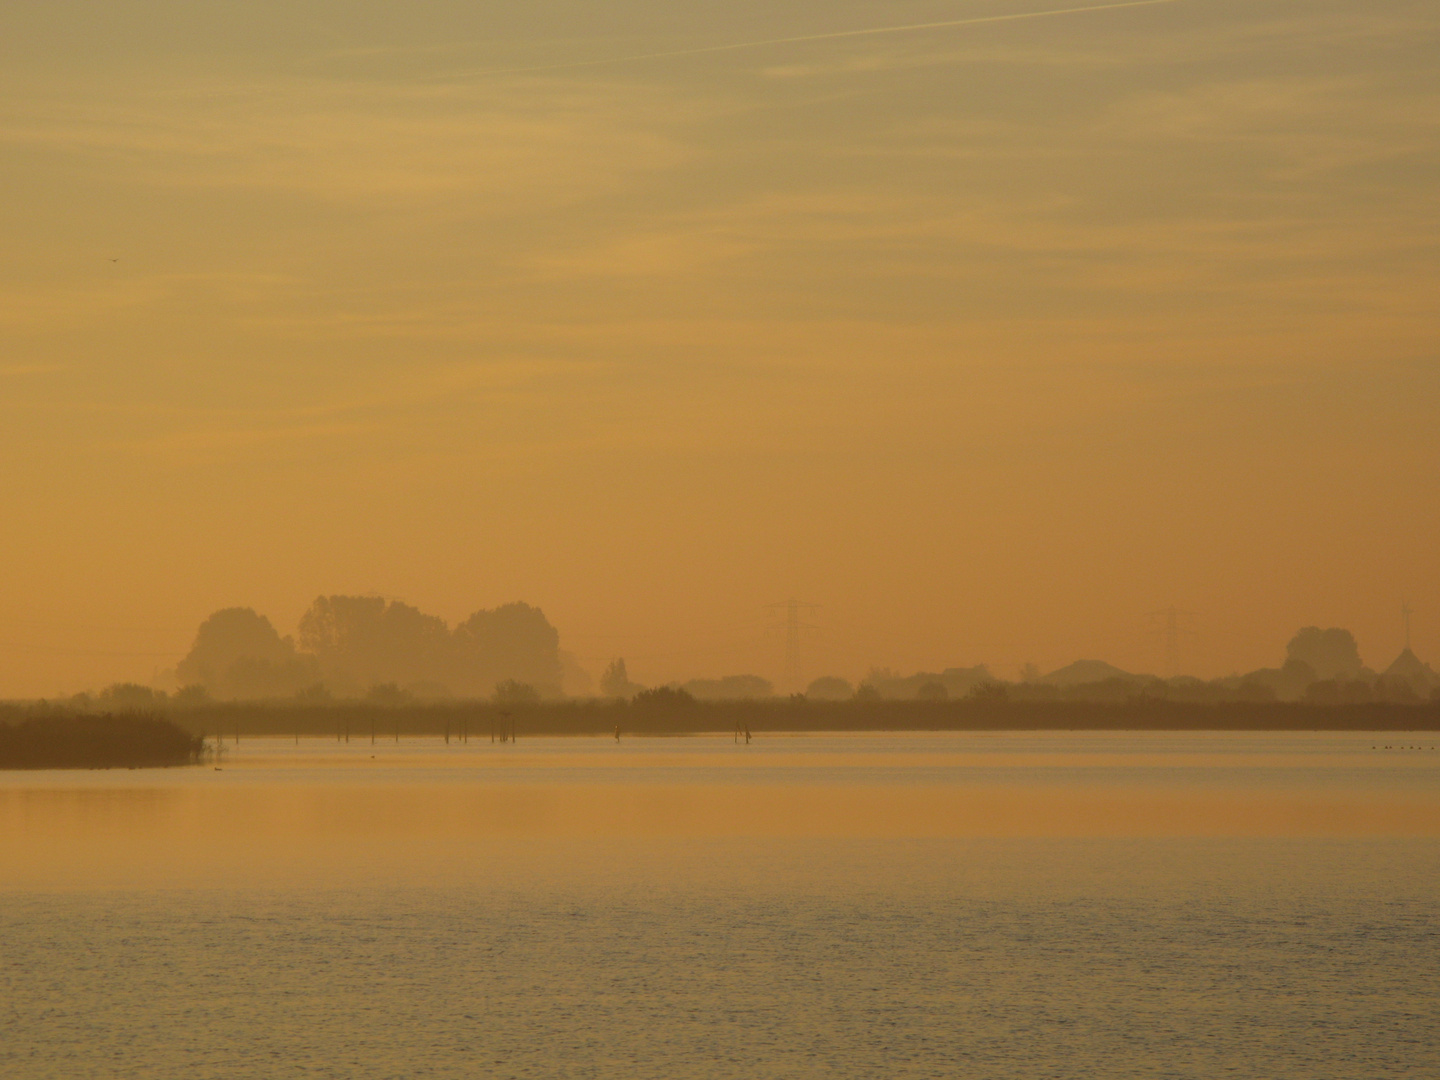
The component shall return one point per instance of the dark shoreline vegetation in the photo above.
(477, 719)
(62, 740)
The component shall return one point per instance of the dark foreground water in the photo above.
(1057, 906)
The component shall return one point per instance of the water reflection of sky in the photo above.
(420, 806)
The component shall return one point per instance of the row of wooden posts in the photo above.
(502, 729)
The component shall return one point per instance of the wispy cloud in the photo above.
(358, 142)
(16, 370)
(838, 35)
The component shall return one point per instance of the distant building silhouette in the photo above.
(1089, 671)
(1410, 671)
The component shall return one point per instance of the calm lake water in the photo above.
(1002, 905)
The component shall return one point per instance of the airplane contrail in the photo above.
(911, 28)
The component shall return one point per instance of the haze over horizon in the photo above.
(991, 339)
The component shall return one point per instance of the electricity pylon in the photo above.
(793, 627)
(1168, 625)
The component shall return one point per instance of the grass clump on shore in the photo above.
(77, 741)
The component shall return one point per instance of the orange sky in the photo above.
(989, 339)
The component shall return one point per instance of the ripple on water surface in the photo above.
(1116, 906)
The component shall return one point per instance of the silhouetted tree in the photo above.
(574, 679)
(730, 688)
(829, 688)
(129, 697)
(237, 653)
(663, 697)
(615, 682)
(1331, 654)
(512, 692)
(364, 640)
(191, 696)
(989, 692)
(510, 642)
(956, 681)
(388, 695)
(1396, 690)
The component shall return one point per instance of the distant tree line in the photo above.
(1322, 667)
(673, 711)
(390, 655)
(352, 646)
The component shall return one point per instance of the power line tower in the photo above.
(793, 626)
(1169, 625)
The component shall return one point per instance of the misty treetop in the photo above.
(237, 653)
(1329, 654)
(351, 643)
(615, 681)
